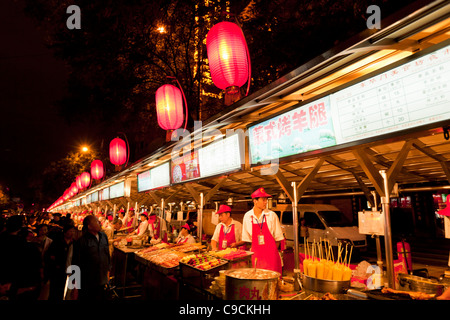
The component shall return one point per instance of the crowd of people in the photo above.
(37, 252)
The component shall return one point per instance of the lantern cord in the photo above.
(184, 98)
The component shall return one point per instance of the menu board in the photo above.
(413, 94)
(185, 168)
(94, 197)
(104, 194)
(89, 198)
(309, 127)
(154, 178)
(221, 156)
(117, 190)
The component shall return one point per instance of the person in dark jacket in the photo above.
(58, 258)
(91, 255)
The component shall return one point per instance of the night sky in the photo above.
(32, 134)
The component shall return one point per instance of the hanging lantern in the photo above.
(85, 179)
(169, 107)
(74, 188)
(118, 152)
(97, 169)
(78, 182)
(228, 56)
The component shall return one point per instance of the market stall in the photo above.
(369, 116)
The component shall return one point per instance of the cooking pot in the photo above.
(251, 284)
(414, 283)
(322, 285)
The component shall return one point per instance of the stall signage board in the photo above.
(371, 222)
(104, 194)
(94, 197)
(185, 168)
(413, 94)
(89, 198)
(306, 128)
(220, 157)
(156, 177)
(117, 190)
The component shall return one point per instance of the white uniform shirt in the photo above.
(271, 218)
(143, 228)
(189, 237)
(237, 230)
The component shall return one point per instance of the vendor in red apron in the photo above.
(261, 227)
(130, 221)
(185, 236)
(228, 233)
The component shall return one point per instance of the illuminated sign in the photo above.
(154, 178)
(224, 155)
(413, 94)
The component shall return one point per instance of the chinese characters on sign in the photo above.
(244, 293)
(408, 96)
(309, 127)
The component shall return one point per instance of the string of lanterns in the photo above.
(229, 63)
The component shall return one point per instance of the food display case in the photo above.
(199, 270)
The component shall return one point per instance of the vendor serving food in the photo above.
(185, 236)
(142, 229)
(261, 227)
(228, 233)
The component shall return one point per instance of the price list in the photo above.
(410, 95)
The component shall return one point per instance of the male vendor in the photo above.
(228, 232)
(261, 227)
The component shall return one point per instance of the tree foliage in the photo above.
(120, 56)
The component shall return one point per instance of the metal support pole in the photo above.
(377, 237)
(297, 283)
(200, 218)
(161, 218)
(387, 233)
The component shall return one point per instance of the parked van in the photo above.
(323, 222)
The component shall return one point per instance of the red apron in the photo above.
(264, 247)
(155, 227)
(182, 240)
(229, 237)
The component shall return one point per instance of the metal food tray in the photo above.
(248, 254)
(224, 262)
(241, 262)
(378, 295)
(200, 278)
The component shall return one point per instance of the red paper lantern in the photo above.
(97, 169)
(169, 107)
(85, 179)
(118, 152)
(74, 189)
(78, 182)
(228, 56)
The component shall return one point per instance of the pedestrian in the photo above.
(11, 251)
(42, 240)
(91, 255)
(58, 257)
